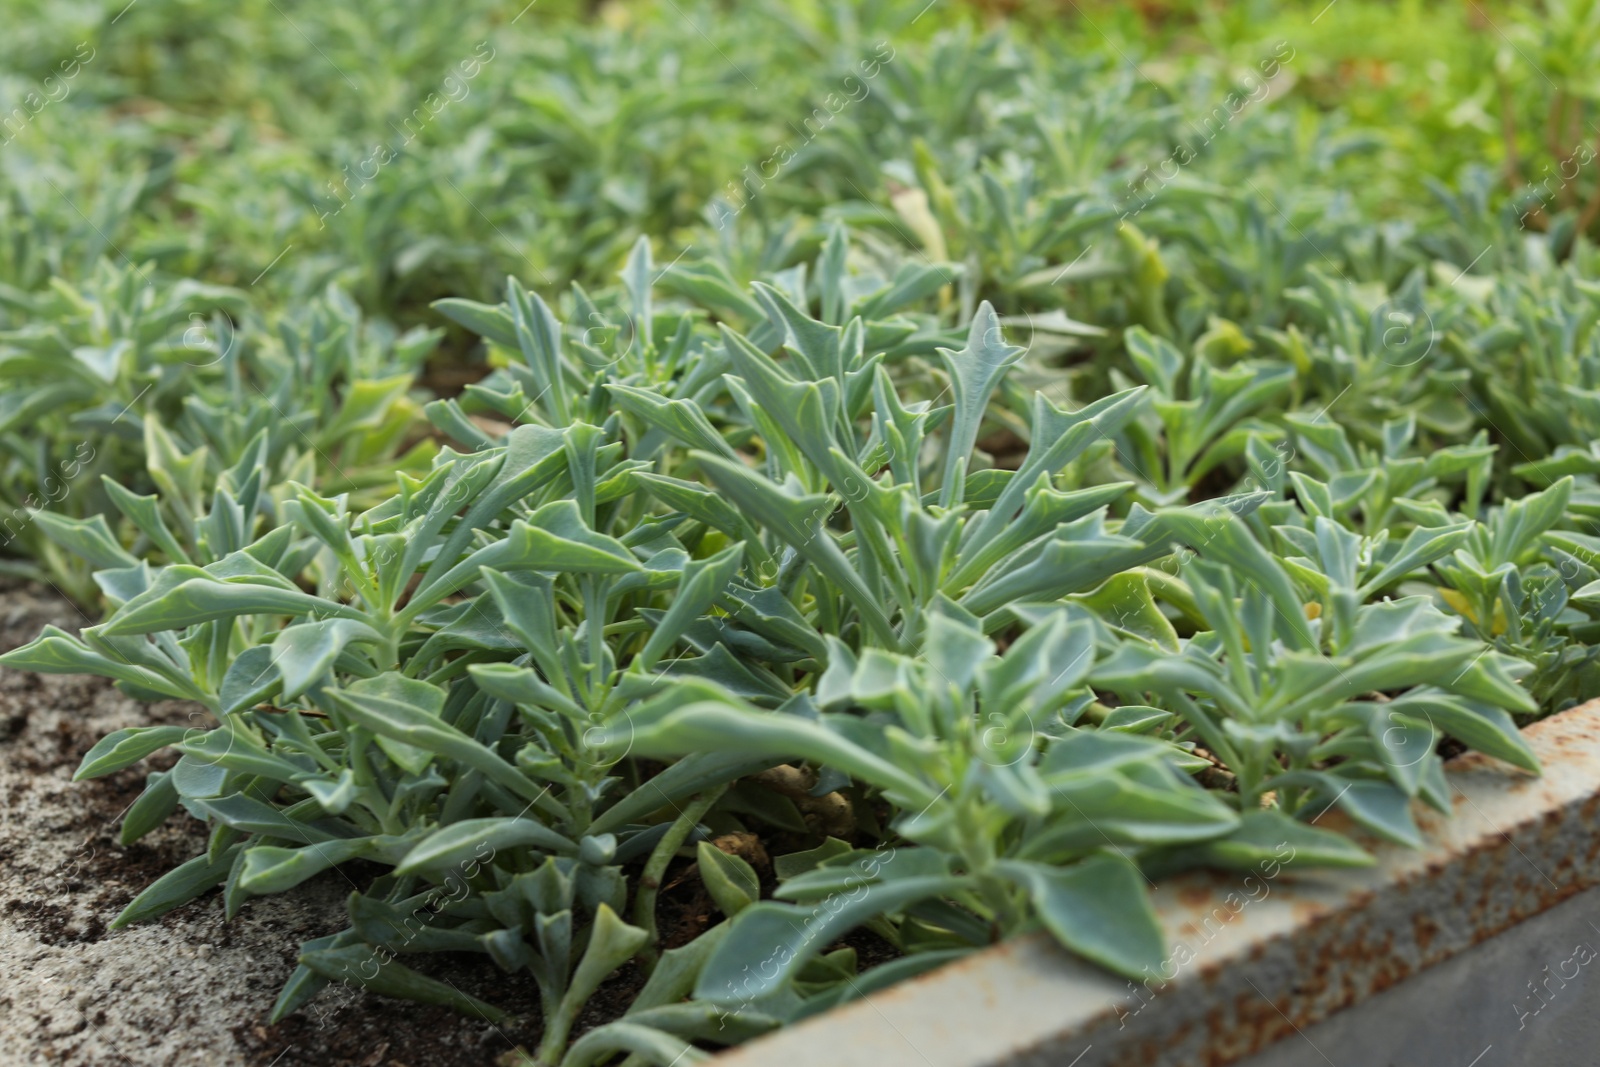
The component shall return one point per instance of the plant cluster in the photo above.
(940, 539)
(771, 563)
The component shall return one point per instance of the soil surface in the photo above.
(188, 988)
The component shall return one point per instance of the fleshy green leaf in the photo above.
(1097, 908)
(731, 881)
(126, 747)
(479, 840)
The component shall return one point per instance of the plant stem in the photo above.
(644, 901)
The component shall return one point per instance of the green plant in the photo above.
(130, 385)
(696, 549)
(783, 539)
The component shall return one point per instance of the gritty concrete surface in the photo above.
(189, 988)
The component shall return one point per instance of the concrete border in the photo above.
(1523, 998)
(1300, 947)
